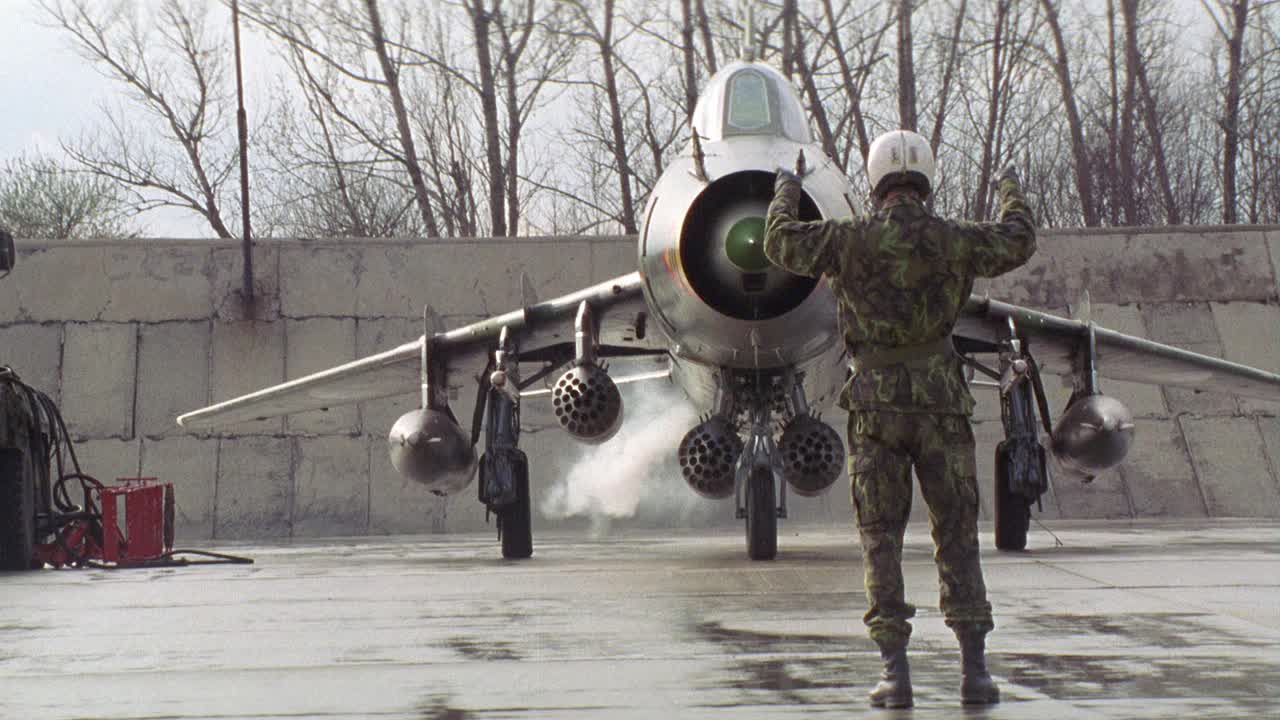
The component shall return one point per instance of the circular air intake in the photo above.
(587, 403)
(812, 455)
(428, 447)
(708, 455)
(1093, 435)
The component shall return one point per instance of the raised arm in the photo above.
(803, 248)
(996, 248)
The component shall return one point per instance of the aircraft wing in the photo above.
(543, 332)
(1055, 342)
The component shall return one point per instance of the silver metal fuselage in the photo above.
(716, 316)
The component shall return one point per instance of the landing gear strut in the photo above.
(761, 498)
(504, 468)
(1020, 468)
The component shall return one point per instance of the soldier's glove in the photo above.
(785, 175)
(1008, 173)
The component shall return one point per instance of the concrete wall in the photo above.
(126, 335)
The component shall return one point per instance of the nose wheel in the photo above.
(762, 515)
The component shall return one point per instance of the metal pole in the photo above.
(242, 125)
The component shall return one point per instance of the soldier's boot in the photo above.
(976, 685)
(894, 688)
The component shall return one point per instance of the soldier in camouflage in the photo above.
(901, 278)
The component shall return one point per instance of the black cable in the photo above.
(56, 448)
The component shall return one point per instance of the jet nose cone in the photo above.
(744, 244)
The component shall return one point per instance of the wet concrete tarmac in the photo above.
(1163, 620)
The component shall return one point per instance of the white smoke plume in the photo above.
(636, 474)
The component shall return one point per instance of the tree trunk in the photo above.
(1128, 141)
(1080, 151)
(985, 166)
(906, 69)
(511, 54)
(816, 106)
(948, 74)
(615, 120)
(1113, 116)
(690, 57)
(788, 38)
(1151, 118)
(410, 155)
(1231, 110)
(704, 28)
(481, 19)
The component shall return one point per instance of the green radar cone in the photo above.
(745, 245)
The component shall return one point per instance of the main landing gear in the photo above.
(504, 467)
(1021, 473)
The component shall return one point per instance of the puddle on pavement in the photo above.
(1162, 630)
(1085, 677)
(487, 650)
(440, 708)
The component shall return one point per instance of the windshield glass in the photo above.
(748, 102)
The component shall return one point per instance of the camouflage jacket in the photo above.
(901, 277)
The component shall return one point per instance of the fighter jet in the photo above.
(756, 348)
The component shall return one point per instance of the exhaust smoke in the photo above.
(635, 474)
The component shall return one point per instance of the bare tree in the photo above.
(907, 116)
(952, 53)
(600, 34)
(854, 39)
(41, 199)
(1231, 19)
(408, 152)
(172, 69)
(1075, 124)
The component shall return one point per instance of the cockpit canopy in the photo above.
(748, 98)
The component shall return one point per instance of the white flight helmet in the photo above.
(900, 156)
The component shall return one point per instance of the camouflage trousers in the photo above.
(883, 446)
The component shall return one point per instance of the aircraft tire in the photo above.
(1013, 512)
(762, 515)
(17, 512)
(516, 519)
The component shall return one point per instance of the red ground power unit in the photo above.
(136, 527)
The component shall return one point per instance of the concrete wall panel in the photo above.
(1106, 497)
(1273, 246)
(1143, 400)
(1189, 326)
(156, 284)
(1158, 472)
(173, 374)
(1250, 335)
(35, 353)
(246, 356)
(611, 258)
(108, 459)
(254, 497)
(320, 281)
(191, 464)
(415, 276)
(1231, 461)
(374, 335)
(170, 314)
(1143, 266)
(331, 475)
(398, 506)
(1269, 427)
(59, 283)
(98, 373)
(226, 283)
(313, 345)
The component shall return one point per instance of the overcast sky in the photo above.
(48, 92)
